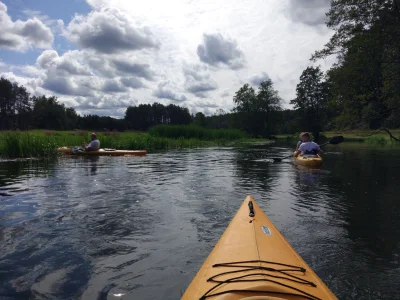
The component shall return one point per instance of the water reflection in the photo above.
(88, 228)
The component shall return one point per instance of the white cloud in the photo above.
(69, 86)
(23, 35)
(82, 73)
(198, 80)
(132, 82)
(55, 25)
(141, 52)
(310, 12)
(104, 106)
(109, 31)
(32, 85)
(217, 50)
(207, 107)
(125, 65)
(257, 79)
(71, 63)
(165, 92)
(263, 31)
(225, 93)
(113, 86)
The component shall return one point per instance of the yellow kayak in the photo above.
(102, 152)
(251, 261)
(309, 160)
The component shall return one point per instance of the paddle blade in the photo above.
(336, 140)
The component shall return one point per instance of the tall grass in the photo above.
(196, 132)
(37, 143)
(377, 139)
(369, 136)
(15, 144)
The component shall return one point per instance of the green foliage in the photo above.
(20, 110)
(199, 119)
(16, 144)
(312, 93)
(144, 116)
(256, 110)
(376, 140)
(196, 132)
(15, 105)
(49, 113)
(37, 143)
(245, 99)
(365, 83)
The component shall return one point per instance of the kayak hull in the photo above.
(309, 161)
(102, 152)
(260, 263)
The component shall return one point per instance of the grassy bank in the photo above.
(366, 136)
(41, 143)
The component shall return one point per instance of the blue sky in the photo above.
(101, 56)
(23, 10)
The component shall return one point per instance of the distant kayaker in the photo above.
(306, 146)
(94, 145)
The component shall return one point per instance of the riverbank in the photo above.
(367, 136)
(44, 143)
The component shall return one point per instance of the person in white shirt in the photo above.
(94, 145)
(307, 147)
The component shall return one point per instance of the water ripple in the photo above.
(91, 228)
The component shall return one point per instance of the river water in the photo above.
(139, 228)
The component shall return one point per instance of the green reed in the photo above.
(16, 144)
(196, 132)
(377, 139)
(39, 143)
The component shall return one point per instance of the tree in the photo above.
(15, 105)
(48, 113)
(268, 101)
(219, 119)
(245, 99)
(255, 110)
(72, 117)
(144, 116)
(349, 19)
(23, 107)
(199, 119)
(311, 98)
(7, 103)
(366, 79)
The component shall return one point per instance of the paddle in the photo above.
(77, 149)
(333, 141)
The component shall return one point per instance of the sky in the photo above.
(101, 56)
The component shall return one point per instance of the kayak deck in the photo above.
(310, 161)
(102, 152)
(253, 259)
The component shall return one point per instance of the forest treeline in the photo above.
(20, 110)
(360, 91)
